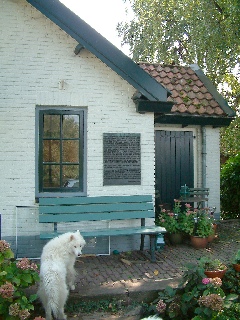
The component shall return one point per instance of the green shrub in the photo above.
(230, 188)
(231, 281)
(198, 298)
(15, 278)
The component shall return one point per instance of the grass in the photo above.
(111, 305)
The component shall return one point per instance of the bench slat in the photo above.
(71, 217)
(111, 232)
(110, 207)
(95, 200)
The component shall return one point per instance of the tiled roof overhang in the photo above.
(196, 100)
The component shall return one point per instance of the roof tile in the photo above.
(188, 91)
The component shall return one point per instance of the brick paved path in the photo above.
(133, 275)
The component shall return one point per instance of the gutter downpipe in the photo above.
(204, 154)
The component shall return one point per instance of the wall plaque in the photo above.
(121, 159)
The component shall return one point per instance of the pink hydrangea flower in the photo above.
(7, 290)
(161, 306)
(4, 245)
(206, 280)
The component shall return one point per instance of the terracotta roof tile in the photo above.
(188, 91)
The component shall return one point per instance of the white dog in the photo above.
(57, 273)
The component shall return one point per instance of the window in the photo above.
(61, 151)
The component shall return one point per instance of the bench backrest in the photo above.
(75, 209)
(201, 192)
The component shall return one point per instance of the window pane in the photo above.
(71, 151)
(71, 176)
(60, 150)
(70, 126)
(51, 151)
(51, 176)
(51, 126)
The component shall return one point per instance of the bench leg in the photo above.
(152, 247)
(142, 242)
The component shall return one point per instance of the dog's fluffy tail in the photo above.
(53, 293)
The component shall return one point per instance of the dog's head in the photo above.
(77, 243)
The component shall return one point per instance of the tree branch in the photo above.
(219, 9)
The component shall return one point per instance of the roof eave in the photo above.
(153, 106)
(193, 120)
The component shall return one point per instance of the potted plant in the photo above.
(236, 261)
(171, 221)
(200, 228)
(213, 267)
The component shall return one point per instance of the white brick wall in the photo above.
(213, 166)
(35, 56)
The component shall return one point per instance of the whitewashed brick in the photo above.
(35, 56)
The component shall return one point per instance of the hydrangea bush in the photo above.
(15, 278)
(197, 298)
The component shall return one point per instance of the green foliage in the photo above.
(107, 305)
(236, 258)
(211, 264)
(230, 136)
(15, 277)
(185, 30)
(202, 224)
(198, 298)
(230, 139)
(231, 281)
(171, 220)
(195, 222)
(230, 188)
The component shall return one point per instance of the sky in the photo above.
(103, 16)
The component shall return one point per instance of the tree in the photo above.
(205, 32)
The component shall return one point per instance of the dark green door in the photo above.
(173, 164)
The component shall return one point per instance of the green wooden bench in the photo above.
(106, 208)
(198, 195)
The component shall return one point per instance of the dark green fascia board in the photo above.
(193, 120)
(94, 42)
(212, 89)
(153, 106)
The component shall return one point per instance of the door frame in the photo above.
(197, 149)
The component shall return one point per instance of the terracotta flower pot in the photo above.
(199, 242)
(215, 228)
(211, 238)
(215, 273)
(236, 266)
(176, 238)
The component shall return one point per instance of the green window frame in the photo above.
(61, 151)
